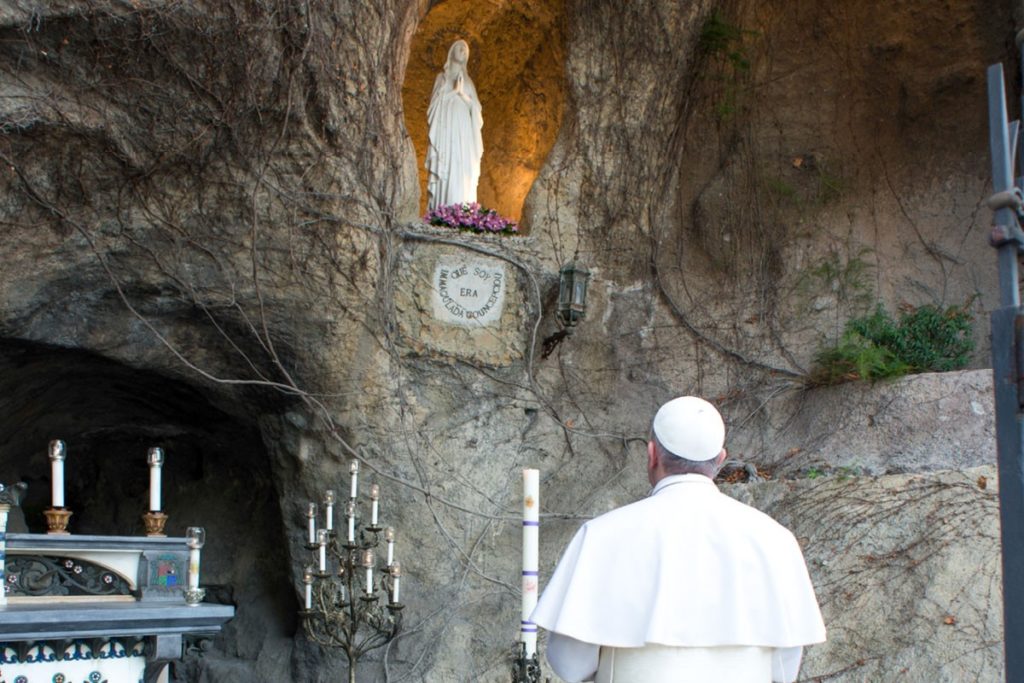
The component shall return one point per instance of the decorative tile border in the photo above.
(80, 661)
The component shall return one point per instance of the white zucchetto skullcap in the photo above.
(691, 428)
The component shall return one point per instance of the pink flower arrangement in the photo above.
(472, 218)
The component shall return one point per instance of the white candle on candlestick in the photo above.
(350, 513)
(307, 578)
(531, 528)
(156, 462)
(354, 469)
(374, 498)
(389, 536)
(195, 538)
(368, 564)
(322, 539)
(311, 514)
(396, 575)
(329, 505)
(57, 455)
(193, 568)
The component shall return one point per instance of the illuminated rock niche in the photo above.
(517, 63)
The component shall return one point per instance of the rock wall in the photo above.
(221, 197)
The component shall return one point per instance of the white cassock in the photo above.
(687, 585)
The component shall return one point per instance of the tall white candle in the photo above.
(368, 564)
(350, 513)
(322, 539)
(329, 508)
(374, 503)
(311, 514)
(531, 528)
(307, 578)
(353, 468)
(389, 536)
(195, 538)
(156, 462)
(193, 568)
(396, 576)
(57, 455)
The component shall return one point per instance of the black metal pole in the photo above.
(1007, 326)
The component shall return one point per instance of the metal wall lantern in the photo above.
(572, 293)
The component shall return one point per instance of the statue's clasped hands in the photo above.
(459, 91)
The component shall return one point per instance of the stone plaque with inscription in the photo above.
(452, 302)
(468, 292)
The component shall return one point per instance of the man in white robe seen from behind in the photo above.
(685, 586)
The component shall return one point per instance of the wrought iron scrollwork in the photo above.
(524, 669)
(342, 608)
(345, 611)
(36, 575)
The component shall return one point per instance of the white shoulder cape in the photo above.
(687, 567)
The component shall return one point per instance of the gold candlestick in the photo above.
(155, 522)
(57, 520)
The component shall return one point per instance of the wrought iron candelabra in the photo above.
(345, 583)
(525, 669)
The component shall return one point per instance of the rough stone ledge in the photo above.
(925, 422)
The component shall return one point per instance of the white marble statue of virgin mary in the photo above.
(455, 118)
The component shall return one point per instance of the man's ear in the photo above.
(721, 458)
(652, 459)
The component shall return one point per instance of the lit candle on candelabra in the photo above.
(396, 575)
(195, 538)
(321, 537)
(368, 565)
(342, 607)
(374, 503)
(531, 527)
(307, 578)
(311, 514)
(156, 463)
(350, 512)
(329, 505)
(389, 536)
(57, 455)
(353, 468)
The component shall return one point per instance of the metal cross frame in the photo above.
(1007, 204)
